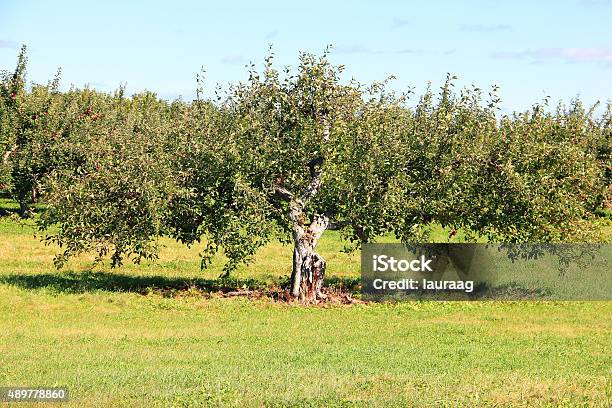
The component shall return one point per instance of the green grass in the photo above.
(115, 340)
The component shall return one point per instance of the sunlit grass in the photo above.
(114, 344)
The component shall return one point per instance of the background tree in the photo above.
(533, 176)
(37, 123)
(114, 201)
(12, 90)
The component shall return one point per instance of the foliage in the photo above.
(532, 176)
(116, 172)
(268, 133)
(114, 201)
(12, 87)
(38, 131)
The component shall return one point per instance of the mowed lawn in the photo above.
(147, 336)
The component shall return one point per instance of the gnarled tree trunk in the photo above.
(308, 266)
(24, 209)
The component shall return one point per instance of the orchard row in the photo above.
(286, 155)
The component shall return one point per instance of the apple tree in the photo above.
(287, 155)
(114, 201)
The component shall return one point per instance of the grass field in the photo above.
(136, 337)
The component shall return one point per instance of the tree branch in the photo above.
(315, 182)
(295, 208)
(311, 190)
(317, 227)
(283, 193)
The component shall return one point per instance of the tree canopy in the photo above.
(290, 153)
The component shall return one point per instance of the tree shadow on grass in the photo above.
(89, 281)
(9, 207)
(344, 283)
(6, 211)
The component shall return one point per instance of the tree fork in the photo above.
(308, 269)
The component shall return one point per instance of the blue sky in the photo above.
(529, 48)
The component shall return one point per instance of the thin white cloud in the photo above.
(577, 55)
(409, 51)
(479, 28)
(234, 59)
(356, 49)
(360, 49)
(595, 2)
(272, 34)
(399, 23)
(8, 44)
